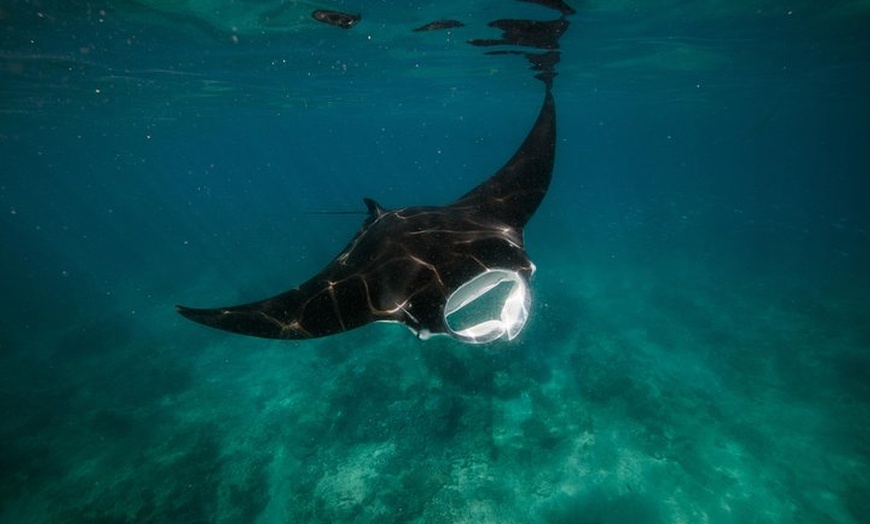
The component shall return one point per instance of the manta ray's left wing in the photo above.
(336, 299)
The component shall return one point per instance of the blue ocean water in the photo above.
(699, 341)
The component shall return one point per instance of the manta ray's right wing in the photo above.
(515, 191)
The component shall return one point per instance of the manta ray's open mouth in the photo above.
(491, 305)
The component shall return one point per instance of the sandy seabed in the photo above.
(641, 396)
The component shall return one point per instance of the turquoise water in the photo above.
(699, 342)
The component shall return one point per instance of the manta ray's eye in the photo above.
(491, 305)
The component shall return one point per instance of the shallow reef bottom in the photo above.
(642, 396)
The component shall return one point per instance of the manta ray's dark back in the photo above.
(419, 265)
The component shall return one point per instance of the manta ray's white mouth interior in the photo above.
(491, 305)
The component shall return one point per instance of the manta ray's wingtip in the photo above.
(185, 311)
(195, 314)
(211, 317)
(243, 320)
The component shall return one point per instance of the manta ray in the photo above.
(425, 267)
